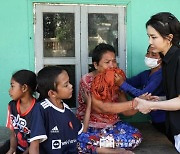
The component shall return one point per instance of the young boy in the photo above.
(54, 126)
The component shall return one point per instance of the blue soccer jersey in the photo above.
(57, 129)
(20, 123)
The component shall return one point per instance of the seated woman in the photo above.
(148, 81)
(105, 128)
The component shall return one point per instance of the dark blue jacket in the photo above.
(144, 82)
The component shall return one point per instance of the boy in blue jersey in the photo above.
(54, 126)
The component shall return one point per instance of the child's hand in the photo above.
(87, 98)
(11, 151)
(118, 79)
(148, 96)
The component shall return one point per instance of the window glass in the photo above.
(102, 28)
(58, 35)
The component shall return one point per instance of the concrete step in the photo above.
(153, 142)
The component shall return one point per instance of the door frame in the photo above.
(81, 34)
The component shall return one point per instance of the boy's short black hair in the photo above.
(47, 80)
(26, 77)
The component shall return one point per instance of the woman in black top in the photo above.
(163, 30)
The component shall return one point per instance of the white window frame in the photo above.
(120, 10)
(81, 59)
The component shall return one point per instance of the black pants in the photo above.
(6, 146)
(161, 127)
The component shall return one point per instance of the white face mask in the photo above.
(151, 62)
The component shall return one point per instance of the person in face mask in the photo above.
(152, 62)
(148, 81)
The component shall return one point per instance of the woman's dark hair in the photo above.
(26, 77)
(47, 80)
(100, 50)
(166, 23)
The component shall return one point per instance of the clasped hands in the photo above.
(144, 102)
